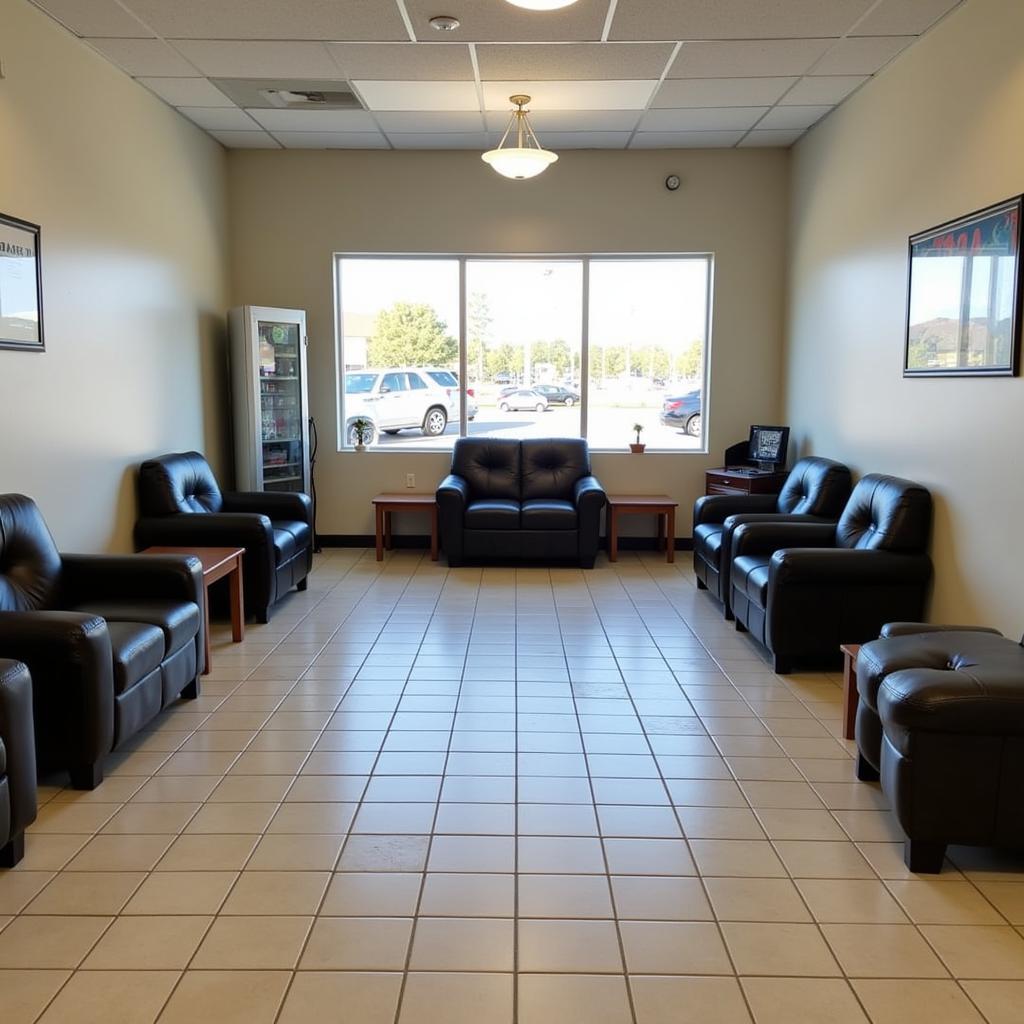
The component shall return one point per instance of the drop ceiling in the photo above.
(603, 74)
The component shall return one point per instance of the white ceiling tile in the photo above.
(571, 95)
(220, 118)
(478, 141)
(906, 17)
(95, 18)
(735, 19)
(144, 57)
(314, 120)
(710, 119)
(861, 56)
(832, 89)
(568, 61)
(783, 139)
(246, 140)
(260, 60)
(793, 117)
(447, 121)
(685, 140)
(187, 92)
(332, 140)
(403, 62)
(584, 140)
(497, 21)
(721, 92)
(270, 19)
(418, 95)
(571, 120)
(745, 58)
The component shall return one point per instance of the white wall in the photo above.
(131, 201)
(938, 134)
(290, 211)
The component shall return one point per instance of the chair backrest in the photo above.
(491, 466)
(551, 467)
(29, 561)
(180, 482)
(816, 487)
(886, 513)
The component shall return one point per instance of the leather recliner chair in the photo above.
(109, 639)
(815, 491)
(180, 505)
(802, 589)
(530, 499)
(17, 761)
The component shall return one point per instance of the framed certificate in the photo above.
(21, 286)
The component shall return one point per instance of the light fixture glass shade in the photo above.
(525, 158)
(542, 5)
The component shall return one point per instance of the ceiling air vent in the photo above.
(309, 98)
(288, 94)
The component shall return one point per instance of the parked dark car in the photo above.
(557, 395)
(683, 411)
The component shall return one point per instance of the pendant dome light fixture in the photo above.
(524, 157)
(542, 5)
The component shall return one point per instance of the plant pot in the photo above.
(637, 449)
(360, 447)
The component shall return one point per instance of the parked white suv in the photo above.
(424, 398)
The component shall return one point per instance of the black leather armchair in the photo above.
(802, 589)
(815, 490)
(17, 761)
(109, 640)
(181, 505)
(532, 499)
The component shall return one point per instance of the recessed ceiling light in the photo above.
(542, 5)
(445, 23)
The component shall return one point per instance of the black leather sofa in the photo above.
(180, 505)
(815, 491)
(109, 640)
(508, 499)
(940, 715)
(802, 589)
(17, 761)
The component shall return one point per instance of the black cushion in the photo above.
(492, 514)
(178, 621)
(707, 540)
(3, 757)
(815, 487)
(490, 466)
(886, 513)
(548, 514)
(138, 649)
(180, 482)
(551, 467)
(302, 536)
(750, 575)
(284, 545)
(29, 562)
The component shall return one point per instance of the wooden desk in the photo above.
(385, 504)
(660, 505)
(743, 480)
(849, 688)
(217, 563)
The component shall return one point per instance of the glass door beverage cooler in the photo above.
(271, 408)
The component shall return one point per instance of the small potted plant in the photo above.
(638, 448)
(362, 429)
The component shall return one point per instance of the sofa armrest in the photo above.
(846, 567)
(18, 735)
(589, 494)
(716, 508)
(765, 538)
(206, 529)
(452, 497)
(94, 577)
(453, 490)
(292, 505)
(589, 498)
(913, 628)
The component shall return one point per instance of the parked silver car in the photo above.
(524, 398)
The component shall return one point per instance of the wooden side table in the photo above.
(743, 480)
(385, 504)
(660, 505)
(850, 652)
(217, 563)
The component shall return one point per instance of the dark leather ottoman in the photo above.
(940, 717)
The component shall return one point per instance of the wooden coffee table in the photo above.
(217, 563)
(660, 505)
(385, 504)
(850, 698)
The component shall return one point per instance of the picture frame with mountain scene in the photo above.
(964, 296)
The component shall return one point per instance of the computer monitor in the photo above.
(768, 446)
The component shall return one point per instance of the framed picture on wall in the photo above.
(964, 296)
(21, 286)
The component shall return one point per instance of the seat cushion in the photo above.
(549, 514)
(492, 514)
(284, 545)
(750, 576)
(178, 620)
(138, 649)
(301, 533)
(3, 757)
(707, 540)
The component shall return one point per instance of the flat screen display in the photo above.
(768, 445)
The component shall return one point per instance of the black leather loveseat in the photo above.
(513, 499)
(109, 639)
(181, 505)
(17, 761)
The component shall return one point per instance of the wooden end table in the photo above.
(217, 563)
(849, 688)
(660, 505)
(385, 504)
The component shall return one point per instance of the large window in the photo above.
(545, 346)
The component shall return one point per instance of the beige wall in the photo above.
(131, 202)
(290, 211)
(937, 135)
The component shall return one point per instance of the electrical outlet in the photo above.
(410, 479)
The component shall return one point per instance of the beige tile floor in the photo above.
(485, 796)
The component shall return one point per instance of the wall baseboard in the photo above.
(417, 540)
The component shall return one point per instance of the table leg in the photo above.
(849, 695)
(206, 630)
(380, 532)
(661, 518)
(433, 533)
(670, 531)
(613, 535)
(237, 603)
(388, 542)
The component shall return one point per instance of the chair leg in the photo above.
(12, 853)
(701, 585)
(924, 858)
(865, 770)
(191, 692)
(263, 616)
(729, 614)
(740, 628)
(86, 776)
(781, 666)
(303, 584)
